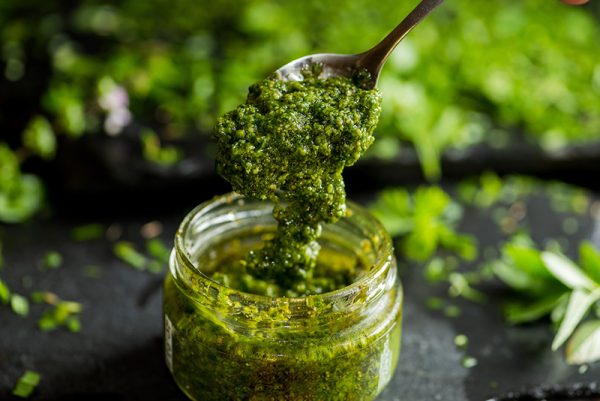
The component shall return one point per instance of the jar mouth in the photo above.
(374, 275)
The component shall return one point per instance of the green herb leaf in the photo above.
(39, 138)
(589, 260)
(26, 384)
(584, 346)
(393, 208)
(87, 232)
(460, 287)
(580, 302)
(52, 260)
(527, 259)
(157, 249)
(519, 312)
(566, 271)
(19, 304)
(517, 278)
(4, 292)
(127, 253)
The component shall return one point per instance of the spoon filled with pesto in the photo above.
(372, 60)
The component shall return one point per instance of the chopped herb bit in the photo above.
(47, 297)
(452, 311)
(460, 287)
(26, 384)
(128, 254)
(19, 304)
(461, 341)
(157, 249)
(52, 260)
(469, 362)
(4, 292)
(73, 324)
(87, 232)
(62, 313)
(154, 152)
(436, 270)
(434, 303)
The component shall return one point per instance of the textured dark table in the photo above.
(118, 354)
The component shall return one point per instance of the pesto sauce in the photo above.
(289, 143)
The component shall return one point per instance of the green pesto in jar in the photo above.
(224, 343)
(289, 143)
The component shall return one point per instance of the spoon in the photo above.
(372, 60)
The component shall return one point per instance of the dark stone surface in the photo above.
(118, 354)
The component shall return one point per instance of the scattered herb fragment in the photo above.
(127, 253)
(4, 292)
(461, 341)
(52, 260)
(62, 313)
(26, 384)
(158, 250)
(87, 232)
(452, 311)
(469, 362)
(19, 304)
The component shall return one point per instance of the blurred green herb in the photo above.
(4, 293)
(127, 253)
(155, 264)
(52, 260)
(26, 384)
(39, 138)
(61, 313)
(19, 304)
(158, 250)
(87, 232)
(424, 222)
(21, 195)
(154, 152)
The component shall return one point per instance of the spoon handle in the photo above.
(372, 60)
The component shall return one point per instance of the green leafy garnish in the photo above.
(423, 222)
(39, 138)
(26, 384)
(552, 284)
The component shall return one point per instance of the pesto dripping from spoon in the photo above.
(372, 60)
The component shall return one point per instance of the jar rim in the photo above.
(377, 270)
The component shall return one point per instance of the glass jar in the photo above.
(224, 344)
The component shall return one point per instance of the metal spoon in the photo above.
(372, 60)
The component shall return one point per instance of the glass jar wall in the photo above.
(225, 344)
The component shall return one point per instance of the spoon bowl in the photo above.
(372, 60)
